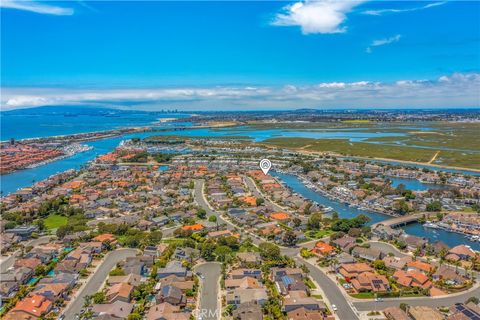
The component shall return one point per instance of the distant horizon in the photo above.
(167, 110)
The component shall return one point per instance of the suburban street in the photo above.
(335, 296)
(96, 279)
(209, 308)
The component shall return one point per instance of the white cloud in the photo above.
(323, 16)
(454, 90)
(383, 11)
(382, 42)
(37, 7)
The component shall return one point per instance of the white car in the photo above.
(334, 307)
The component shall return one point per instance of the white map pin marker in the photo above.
(265, 165)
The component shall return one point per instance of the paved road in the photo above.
(9, 261)
(96, 280)
(425, 301)
(331, 289)
(209, 308)
(254, 190)
(335, 296)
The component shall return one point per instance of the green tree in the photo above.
(314, 220)
(401, 207)
(289, 238)
(223, 252)
(212, 218)
(434, 206)
(207, 250)
(269, 251)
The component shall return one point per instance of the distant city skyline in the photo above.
(240, 55)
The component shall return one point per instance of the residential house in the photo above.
(32, 306)
(248, 311)
(172, 295)
(166, 311)
(408, 279)
(395, 313)
(369, 281)
(304, 314)
(241, 273)
(118, 309)
(119, 292)
(424, 313)
(449, 275)
(345, 243)
(370, 254)
(299, 299)
(239, 296)
(172, 268)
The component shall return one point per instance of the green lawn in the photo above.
(55, 221)
(317, 234)
(364, 295)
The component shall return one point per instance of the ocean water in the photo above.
(53, 121)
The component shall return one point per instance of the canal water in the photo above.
(344, 211)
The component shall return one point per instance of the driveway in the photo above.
(209, 307)
(96, 280)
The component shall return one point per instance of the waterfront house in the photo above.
(386, 232)
(460, 252)
(370, 254)
(449, 275)
(345, 243)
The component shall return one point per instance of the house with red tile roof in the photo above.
(193, 227)
(412, 279)
(34, 306)
(323, 249)
(420, 266)
(280, 216)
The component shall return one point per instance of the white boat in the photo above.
(430, 225)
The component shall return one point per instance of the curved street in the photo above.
(96, 279)
(209, 305)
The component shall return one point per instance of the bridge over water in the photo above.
(403, 220)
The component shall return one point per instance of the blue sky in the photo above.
(260, 54)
